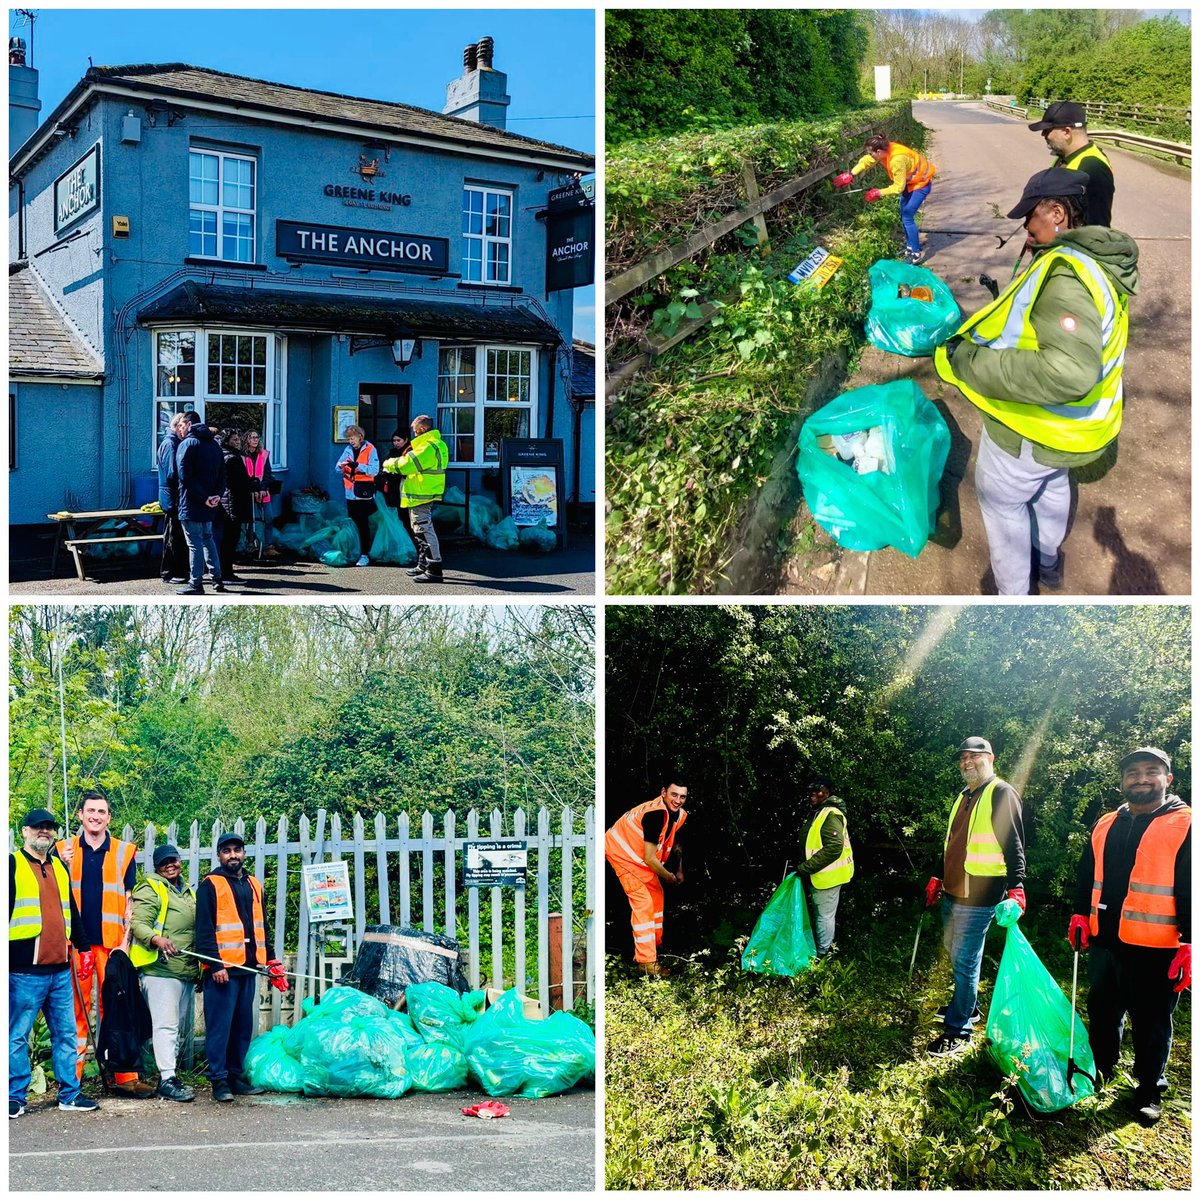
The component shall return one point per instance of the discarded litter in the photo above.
(815, 271)
(782, 941)
(912, 310)
(392, 957)
(895, 506)
(488, 1110)
(1029, 1025)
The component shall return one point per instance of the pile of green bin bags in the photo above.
(782, 941)
(351, 1044)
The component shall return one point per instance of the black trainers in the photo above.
(171, 1089)
(222, 1093)
(243, 1087)
(431, 574)
(219, 586)
(191, 590)
(1149, 1110)
(1052, 577)
(948, 1045)
(973, 1019)
(15, 1109)
(80, 1104)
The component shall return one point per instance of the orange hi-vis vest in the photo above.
(1148, 913)
(231, 934)
(112, 909)
(921, 173)
(623, 843)
(359, 474)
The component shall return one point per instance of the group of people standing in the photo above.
(75, 904)
(1043, 362)
(1131, 906)
(212, 483)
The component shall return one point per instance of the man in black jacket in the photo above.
(42, 920)
(1135, 887)
(201, 481)
(176, 559)
(1064, 128)
(232, 926)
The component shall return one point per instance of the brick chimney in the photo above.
(24, 106)
(479, 93)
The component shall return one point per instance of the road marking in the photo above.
(515, 1136)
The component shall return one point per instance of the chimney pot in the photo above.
(486, 49)
(16, 52)
(469, 58)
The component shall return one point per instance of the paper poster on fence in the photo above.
(327, 891)
(498, 863)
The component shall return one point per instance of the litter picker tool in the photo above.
(1072, 1068)
(257, 970)
(916, 942)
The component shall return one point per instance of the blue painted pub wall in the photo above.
(102, 282)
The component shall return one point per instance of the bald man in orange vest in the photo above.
(1135, 885)
(638, 847)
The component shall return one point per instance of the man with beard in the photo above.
(983, 860)
(1135, 885)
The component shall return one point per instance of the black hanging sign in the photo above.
(570, 261)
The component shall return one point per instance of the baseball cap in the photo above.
(1056, 183)
(163, 853)
(1061, 115)
(974, 745)
(229, 838)
(39, 816)
(1146, 752)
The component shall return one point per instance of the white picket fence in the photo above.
(392, 844)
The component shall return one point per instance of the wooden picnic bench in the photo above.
(75, 530)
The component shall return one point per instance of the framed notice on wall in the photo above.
(344, 415)
(532, 483)
(327, 891)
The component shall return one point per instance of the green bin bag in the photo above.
(437, 1067)
(782, 941)
(868, 512)
(905, 326)
(440, 1014)
(269, 1065)
(1029, 1025)
(390, 543)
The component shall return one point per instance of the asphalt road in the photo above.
(421, 1142)
(1130, 529)
(470, 570)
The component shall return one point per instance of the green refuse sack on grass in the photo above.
(894, 505)
(1029, 1025)
(782, 941)
(902, 324)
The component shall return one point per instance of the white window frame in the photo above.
(274, 401)
(220, 209)
(486, 241)
(481, 405)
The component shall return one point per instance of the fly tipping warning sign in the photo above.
(498, 863)
(815, 271)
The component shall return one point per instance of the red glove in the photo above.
(275, 975)
(1181, 967)
(872, 195)
(845, 179)
(933, 889)
(1018, 894)
(87, 965)
(1079, 934)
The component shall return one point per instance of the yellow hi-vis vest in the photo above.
(841, 870)
(26, 919)
(985, 855)
(1081, 425)
(424, 470)
(1091, 150)
(143, 956)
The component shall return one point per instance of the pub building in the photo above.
(288, 260)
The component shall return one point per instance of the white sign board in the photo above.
(883, 84)
(327, 891)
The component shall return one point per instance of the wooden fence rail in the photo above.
(404, 893)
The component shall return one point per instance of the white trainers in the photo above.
(364, 561)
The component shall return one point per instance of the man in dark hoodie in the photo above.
(201, 467)
(1043, 362)
(176, 557)
(1135, 885)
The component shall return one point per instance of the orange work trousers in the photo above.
(644, 890)
(100, 954)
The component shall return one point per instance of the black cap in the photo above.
(976, 745)
(820, 781)
(1062, 114)
(1146, 752)
(163, 853)
(39, 816)
(1056, 183)
(227, 838)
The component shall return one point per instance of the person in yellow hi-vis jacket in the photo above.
(423, 466)
(911, 174)
(828, 858)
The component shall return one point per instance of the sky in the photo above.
(407, 56)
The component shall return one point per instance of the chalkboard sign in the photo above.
(532, 482)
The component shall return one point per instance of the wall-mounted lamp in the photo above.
(403, 349)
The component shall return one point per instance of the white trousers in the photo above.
(1010, 490)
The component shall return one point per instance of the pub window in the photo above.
(222, 192)
(233, 378)
(487, 235)
(485, 393)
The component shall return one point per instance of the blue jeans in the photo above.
(228, 1023)
(825, 902)
(963, 932)
(51, 994)
(909, 203)
(202, 546)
